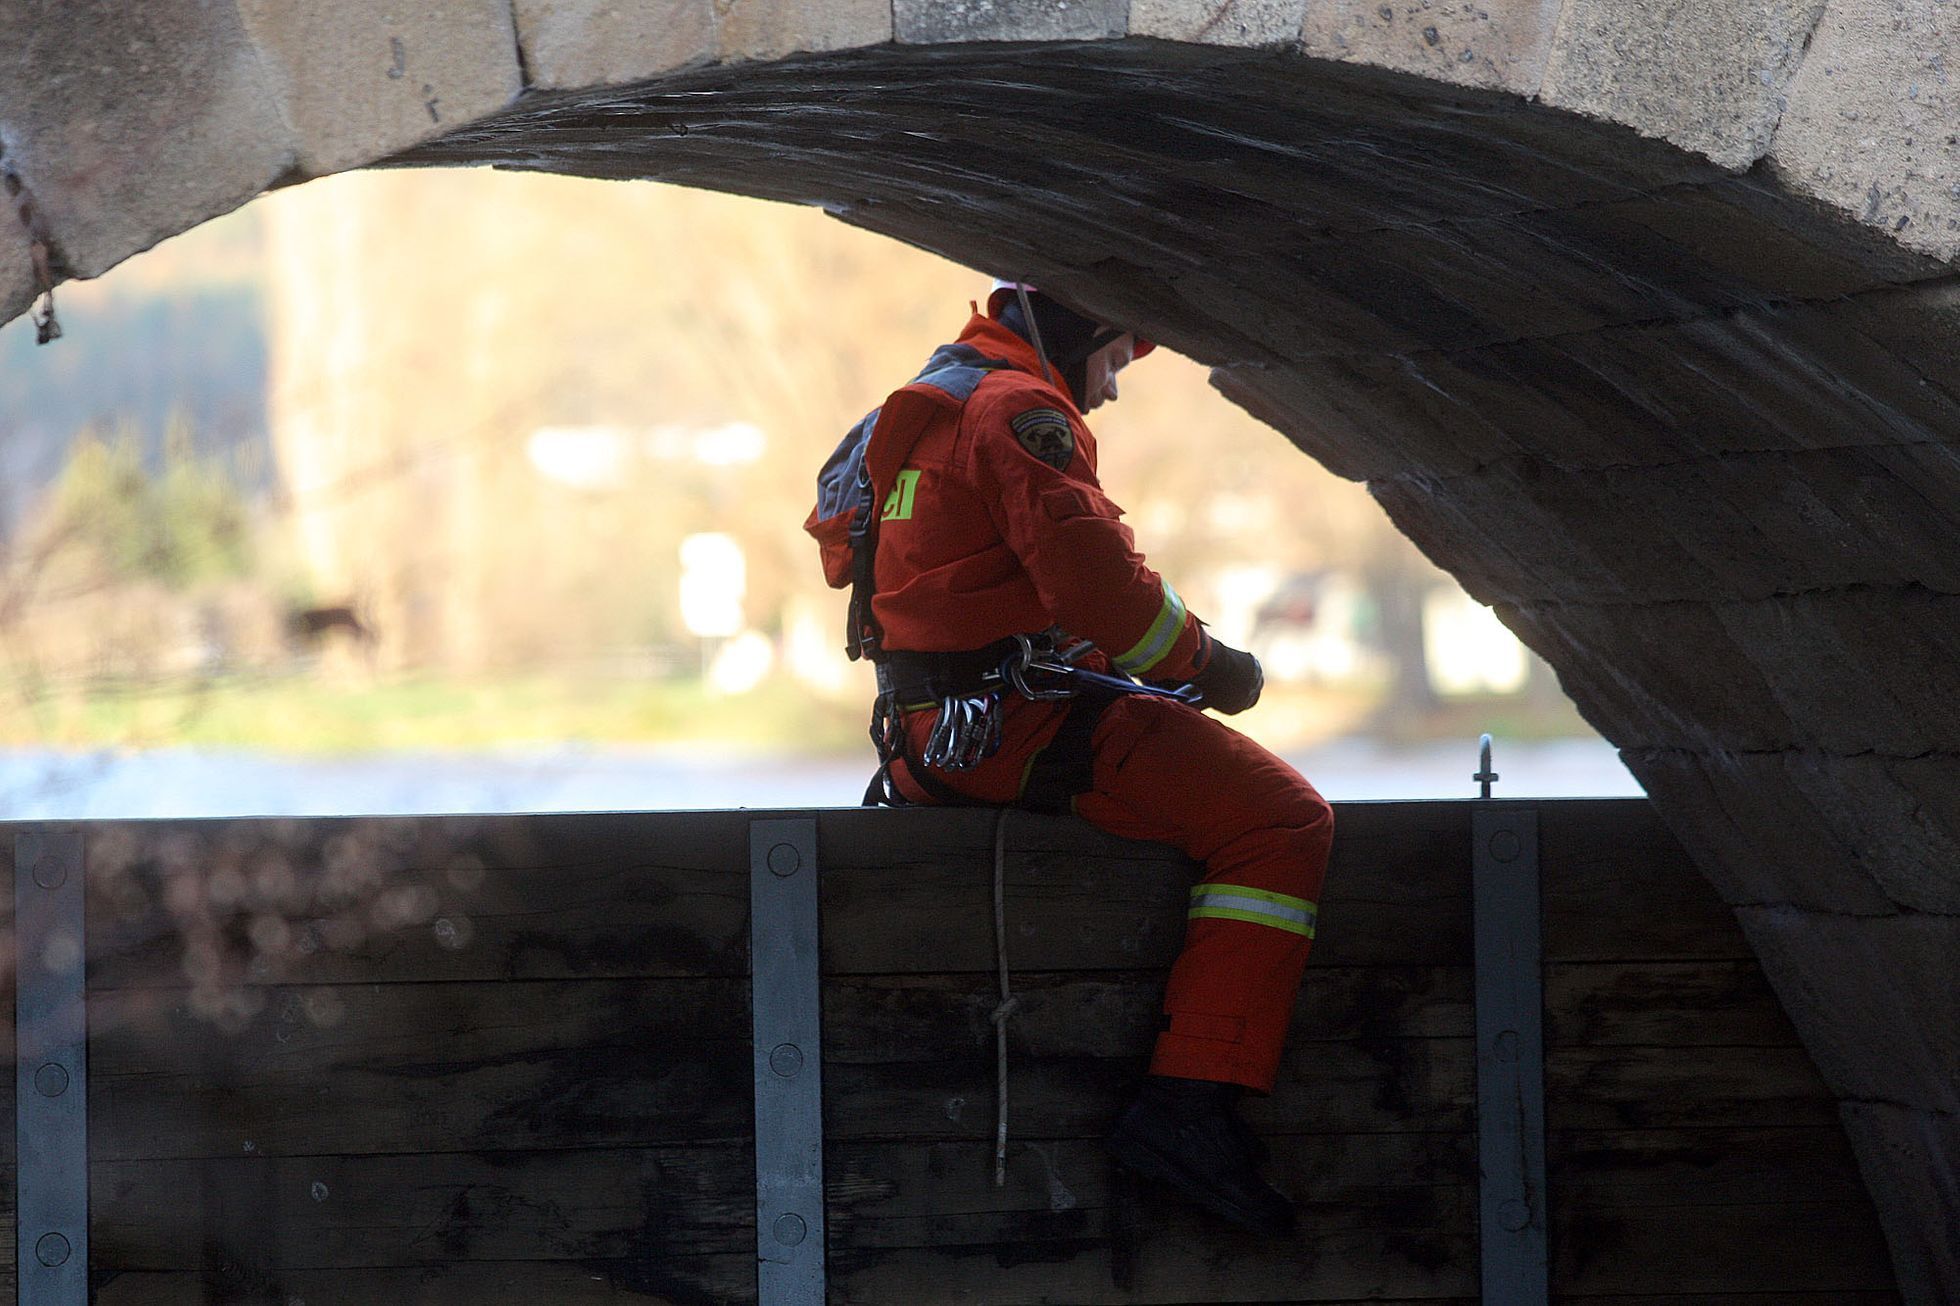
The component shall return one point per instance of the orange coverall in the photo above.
(992, 524)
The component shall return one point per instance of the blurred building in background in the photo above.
(481, 424)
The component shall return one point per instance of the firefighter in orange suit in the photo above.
(1026, 656)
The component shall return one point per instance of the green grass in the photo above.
(304, 715)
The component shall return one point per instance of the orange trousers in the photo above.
(1165, 771)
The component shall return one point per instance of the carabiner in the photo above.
(1014, 670)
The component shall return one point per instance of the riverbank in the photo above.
(42, 784)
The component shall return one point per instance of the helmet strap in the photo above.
(1034, 332)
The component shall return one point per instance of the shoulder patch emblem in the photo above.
(1045, 433)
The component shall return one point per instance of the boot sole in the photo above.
(1150, 1164)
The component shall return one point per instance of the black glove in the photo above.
(1231, 680)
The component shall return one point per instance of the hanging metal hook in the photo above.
(1485, 776)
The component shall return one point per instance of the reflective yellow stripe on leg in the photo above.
(1239, 902)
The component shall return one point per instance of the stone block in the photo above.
(1297, 313)
(1540, 534)
(1657, 676)
(1771, 378)
(1459, 285)
(1824, 226)
(1496, 44)
(1845, 672)
(128, 123)
(573, 43)
(1707, 77)
(1739, 527)
(361, 79)
(1872, 996)
(1918, 323)
(1910, 1161)
(771, 29)
(1901, 816)
(1691, 249)
(1793, 828)
(1869, 127)
(16, 267)
(1265, 23)
(942, 22)
(1368, 417)
(1320, 431)
(1856, 670)
(1436, 524)
(1828, 518)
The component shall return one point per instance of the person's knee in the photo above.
(1310, 835)
(1311, 815)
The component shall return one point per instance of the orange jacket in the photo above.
(992, 522)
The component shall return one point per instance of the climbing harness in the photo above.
(967, 690)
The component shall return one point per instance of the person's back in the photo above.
(1029, 656)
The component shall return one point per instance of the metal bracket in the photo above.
(1510, 1053)
(788, 1038)
(50, 1069)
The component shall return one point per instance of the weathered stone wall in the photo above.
(1638, 316)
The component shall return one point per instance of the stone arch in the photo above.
(1639, 318)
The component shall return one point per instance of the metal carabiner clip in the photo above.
(1024, 659)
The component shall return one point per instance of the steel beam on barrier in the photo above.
(1510, 1053)
(786, 1004)
(50, 1069)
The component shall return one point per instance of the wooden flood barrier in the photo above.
(507, 1060)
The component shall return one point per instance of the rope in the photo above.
(1009, 1004)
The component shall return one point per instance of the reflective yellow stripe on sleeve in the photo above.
(1238, 902)
(1158, 641)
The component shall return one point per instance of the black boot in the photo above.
(1185, 1133)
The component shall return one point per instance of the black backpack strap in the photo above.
(863, 637)
(1065, 768)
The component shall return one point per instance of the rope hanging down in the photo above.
(1009, 1004)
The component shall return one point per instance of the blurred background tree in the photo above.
(453, 430)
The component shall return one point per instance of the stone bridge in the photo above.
(1639, 316)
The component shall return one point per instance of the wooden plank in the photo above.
(676, 1281)
(1336, 1087)
(1381, 1086)
(898, 1195)
(1705, 1087)
(642, 1204)
(1685, 1247)
(1342, 1250)
(601, 895)
(1664, 1004)
(1181, 1258)
(666, 1280)
(1739, 1299)
(1412, 1191)
(363, 1068)
(1745, 1166)
(230, 903)
(871, 1018)
(911, 891)
(1618, 887)
(454, 1065)
(225, 904)
(410, 1067)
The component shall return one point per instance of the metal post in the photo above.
(788, 1038)
(50, 1069)
(1510, 1054)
